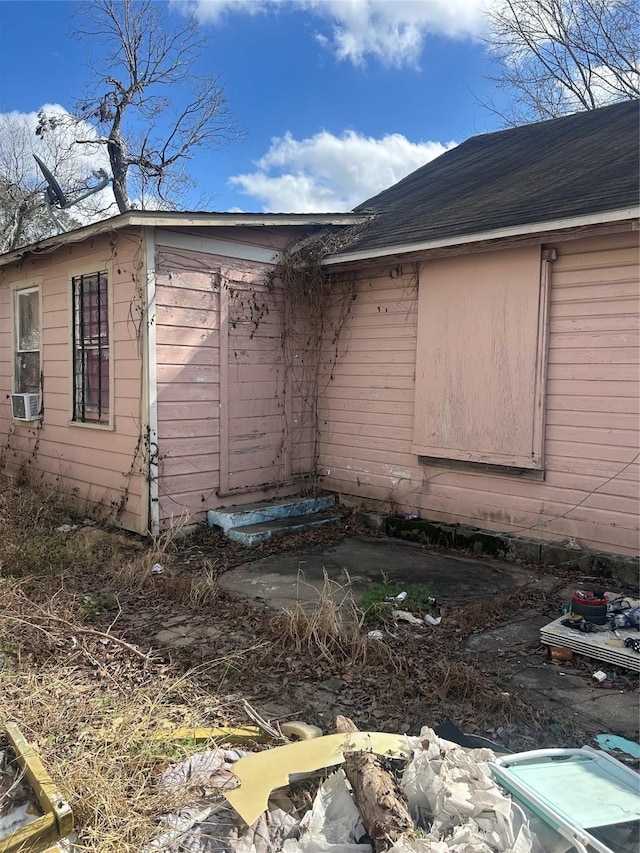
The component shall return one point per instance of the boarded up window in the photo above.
(478, 359)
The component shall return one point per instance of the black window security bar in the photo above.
(91, 348)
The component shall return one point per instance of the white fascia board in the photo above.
(178, 220)
(214, 246)
(227, 220)
(497, 234)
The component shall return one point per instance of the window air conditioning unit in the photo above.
(25, 407)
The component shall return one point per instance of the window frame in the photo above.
(77, 416)
(19, 290)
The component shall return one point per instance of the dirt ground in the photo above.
(101, 656)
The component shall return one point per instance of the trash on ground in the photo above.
(261, 772)
(560, 653)
(594, 629)
(432, 620)
(620, 747)
(375, 635)
(459, 799)
(157, 569)
(599, 676)
(406, 616)
(589, 797)
(34, 815)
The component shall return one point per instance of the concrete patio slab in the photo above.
(508, 654)
(282, 579)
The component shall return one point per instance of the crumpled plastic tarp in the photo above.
(452, 795)
(208, 825)
(457, 806)
(333, 824)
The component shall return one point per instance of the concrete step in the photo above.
(266, 511)
(255, 534)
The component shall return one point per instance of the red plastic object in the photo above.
(589, 598)
(592, 606)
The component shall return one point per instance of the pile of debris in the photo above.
(396, 793)
(350, 792)
(601, 625)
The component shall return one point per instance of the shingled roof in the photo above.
(572, 166)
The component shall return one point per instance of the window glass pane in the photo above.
(97, 380)
(27, 342)
(28, 325)
(28, 372)
(94, 309)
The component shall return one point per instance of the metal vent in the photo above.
(25, 407)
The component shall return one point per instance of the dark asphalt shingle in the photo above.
(571, 166)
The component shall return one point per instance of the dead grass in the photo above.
(331, 628)
(97, 740)
(203, 587)
(94, 704)
(90, 693)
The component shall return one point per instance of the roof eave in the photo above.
(137, 218)
(621, 214)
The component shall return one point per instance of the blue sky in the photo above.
(338, 98)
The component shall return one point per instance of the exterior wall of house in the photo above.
(226, 396)
(590, 489)
(101, 465)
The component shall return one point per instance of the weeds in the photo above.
(93, 704)
(203, 588)
(96, 604)
(331, 628)
(379, 600)
(100, 741)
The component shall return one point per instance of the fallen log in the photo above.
(380, 801)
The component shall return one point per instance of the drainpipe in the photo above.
(151, 381)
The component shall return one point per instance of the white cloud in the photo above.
(327, 173)
(604, 85)
(71, 164)
(391, 31)
(68, 129)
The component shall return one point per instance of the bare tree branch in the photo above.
(23, 215)
(559, 56)
(138, 81)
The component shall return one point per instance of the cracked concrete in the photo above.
(509, 653)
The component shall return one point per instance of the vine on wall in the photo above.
(317, 306)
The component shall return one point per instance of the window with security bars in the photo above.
(91, 348)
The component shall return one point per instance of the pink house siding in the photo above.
(590, 488)
(226, 399)
(101, 465)
(188, 376)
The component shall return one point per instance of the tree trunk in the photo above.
(382, 805)
(119, 167)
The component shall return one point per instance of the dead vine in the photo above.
(318, 307)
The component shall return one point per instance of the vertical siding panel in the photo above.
(256, 372)
(591, 485)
